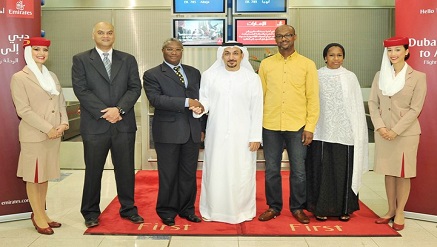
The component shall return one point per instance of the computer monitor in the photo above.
(259, 6)
(257, 31)
(199, 31)
(198, 6)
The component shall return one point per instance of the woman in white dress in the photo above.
(338, 155)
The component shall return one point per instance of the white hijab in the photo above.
(45, 80)
(389, 83)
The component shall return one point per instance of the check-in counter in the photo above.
(73, 113)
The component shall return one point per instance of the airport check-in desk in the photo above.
(73, 113)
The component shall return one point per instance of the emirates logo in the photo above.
(20, 5)
(20, 8)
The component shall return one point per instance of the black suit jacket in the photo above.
(96, 91)
(172, 121)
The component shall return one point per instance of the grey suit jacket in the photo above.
(400, 111)
(172, 121)
(96, 91)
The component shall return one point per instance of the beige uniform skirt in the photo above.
(39, 161)
(390, 156)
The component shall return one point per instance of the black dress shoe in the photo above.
(91, 222)
(135, 218)
(192, 218)
(168, 221)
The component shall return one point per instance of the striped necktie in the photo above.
(178, 72)
(107, 63)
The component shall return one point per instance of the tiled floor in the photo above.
(64, 203)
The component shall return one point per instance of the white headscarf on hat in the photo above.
(220, 63)
(389, 83)
(45, 80)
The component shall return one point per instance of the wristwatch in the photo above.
(120, 110)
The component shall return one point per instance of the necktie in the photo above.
(181, 77)
(107, 63)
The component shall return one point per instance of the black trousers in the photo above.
(177, 166)
(96, 148)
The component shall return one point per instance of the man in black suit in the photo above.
(172, 88)
(107, 84)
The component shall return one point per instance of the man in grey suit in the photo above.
(107, 84)
(172, 88)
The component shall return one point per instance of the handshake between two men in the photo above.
(195, 106)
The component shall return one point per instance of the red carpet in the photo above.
(361, 223)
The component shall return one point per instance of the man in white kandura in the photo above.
(231, 94)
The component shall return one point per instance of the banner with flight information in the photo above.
(417, 20)
(260, 6)
(198, 6)
(20, 19)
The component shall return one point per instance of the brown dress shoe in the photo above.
(301, 216)
(54, 224)
(268, 215)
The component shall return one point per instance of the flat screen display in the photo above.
(198, 6)
(257, 32)
(200, 31)
(260, 6)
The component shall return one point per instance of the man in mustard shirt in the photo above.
(291, 111)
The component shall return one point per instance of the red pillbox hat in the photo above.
(34, 41)
(396, 41)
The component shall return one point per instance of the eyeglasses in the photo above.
(287, 36)
(173, 50)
